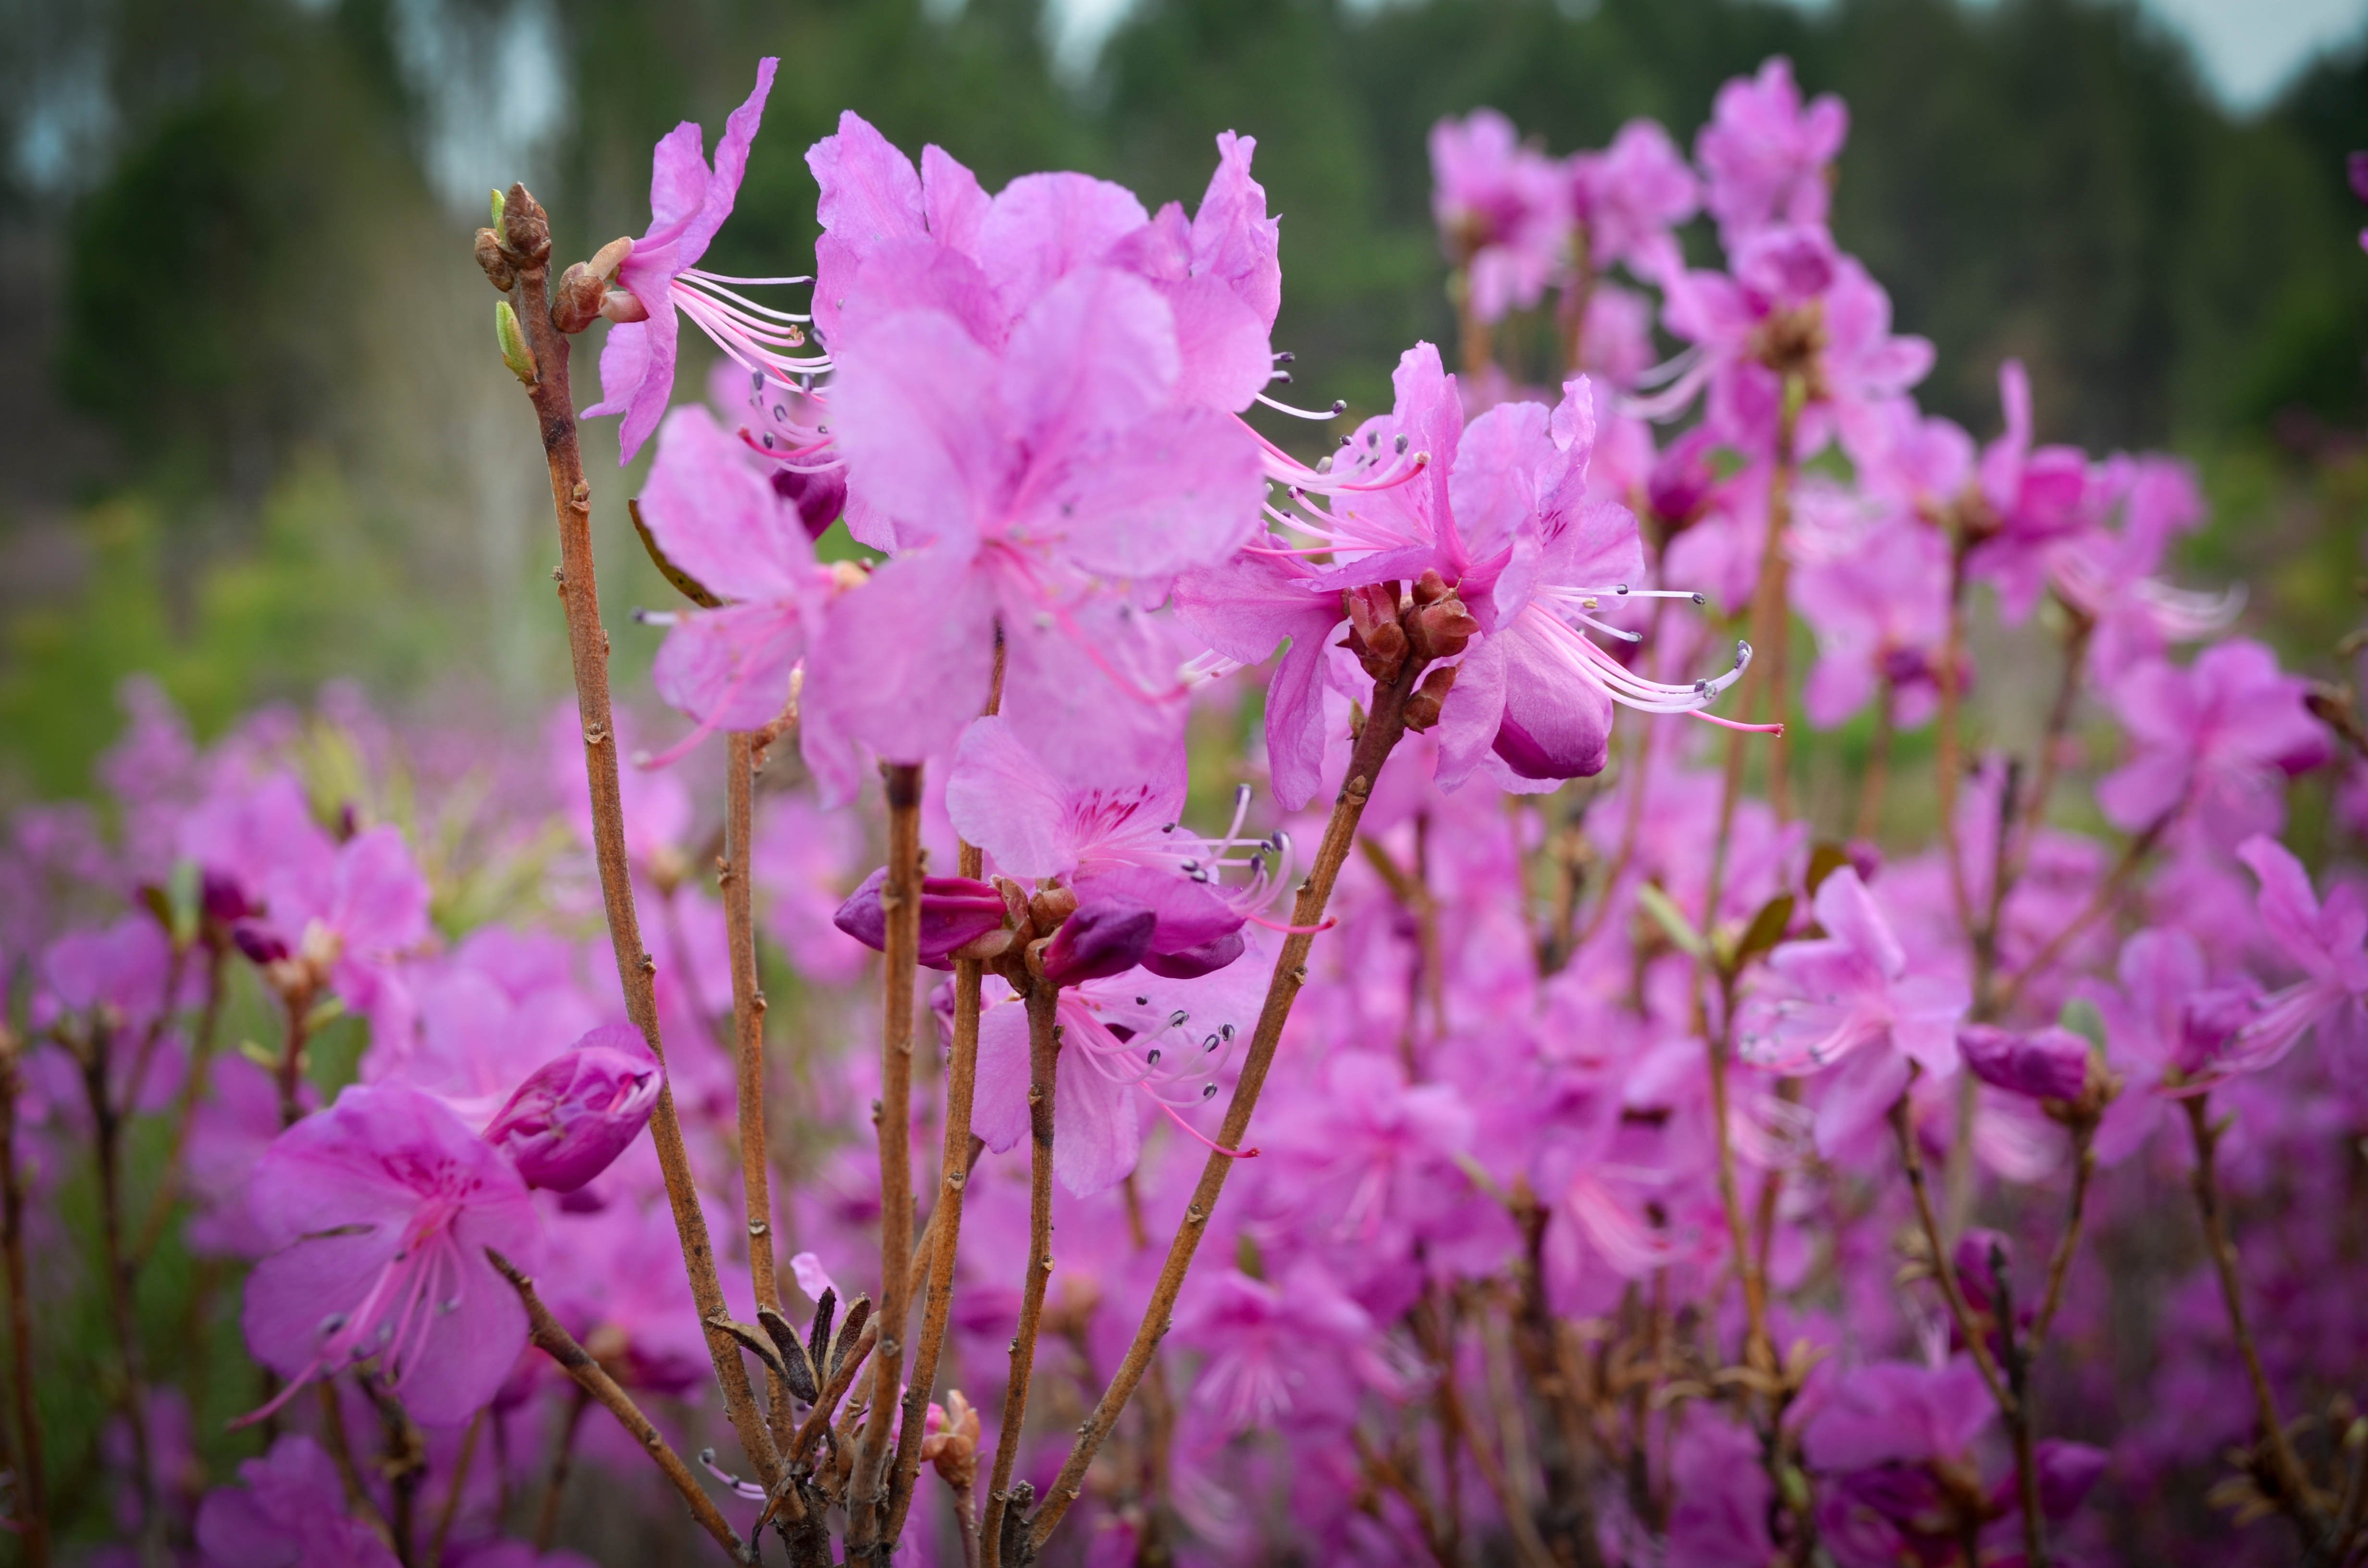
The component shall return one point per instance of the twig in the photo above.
(943, 1234)
(1528, 1545)
(1943, 1270)
(578, 1363)
(2292, 1480)
(1878, 768)
(403, 1466)
(562, 1459)
(740, 764)
(1758, 1351)
(1044, 1046)
(2059, 1266)
(526, 245)
(2019, 1421)
(817, 1420)
(2108, 892)
(452, 1490)
(32, 1491)
(900, 897)
(184, 1106)
(1381, 1470)
(334, 1437)
(1382, 729)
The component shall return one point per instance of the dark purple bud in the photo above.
(1190, 963)
(222, 899)
(955, 912)
(1106, 938)
(2046, 1064)
(820, 498)
(259, 945)
(2356, 166)
(576, 1112)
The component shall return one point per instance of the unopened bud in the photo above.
(576, 1113)
(620, 306)
(950, 1440)
(955, 912)
(1422, 709)
(610, 256)
(526, 228)
(575, 304)
(1108, 937)
(497, 269)
(512, 338)
(1049, 906)
(1442, 629)
(1431, 588)
(2051, 1064)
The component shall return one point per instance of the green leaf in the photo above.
(685, 583)
(1672, 921)
(1766, 929)
(1825, 860)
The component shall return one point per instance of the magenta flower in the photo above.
(1017, 479)
(2051, 1064)
(1765, 158)
(1628, 197)
(119, 972)
(1167, 1040)
(1896, 1413)
(2326, 942)
(2037, 501)
(2108, 576)
(1880, 605)
(1276, 1351)
(725, 525)
(1502, 211)
(576, 1113)
(381, 1208)
(892, 238)
(1116, 845)
(1501, 511)
(288, 1509)
(689, 202)
(2218, 739)
(1848, 998)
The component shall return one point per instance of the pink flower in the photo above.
(2037, 501)
(1167, 1038)
(1848, 998)
(1765, 159)
(955, 912)
(688, 204)
(1277, 1351)
(1628, 198)
(1114, 844)
(289, 1511)
(381, 1208)
(2326, 942)
(2217, 738)
(1502, 209)
(2108, 575)
(1017, 479)
(576, 1113)
(725, 525)
(1880, 606)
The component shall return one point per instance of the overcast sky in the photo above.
(2248, 48)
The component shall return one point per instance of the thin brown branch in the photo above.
(1044, 1047)
(32, 1502)
(454, 1487)
(563, 1460)
(740, 764)
(1380, 736)
(525, 242)
(900, 897)
(184, 1106)
(2059, 1266)
(2293, 1482)
(943, 1236)
(106, 1155)
(2108, 893)
(1944, 1273)
(578, 1363)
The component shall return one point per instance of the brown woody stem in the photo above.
(33, 1508)
(587, 649)
(1044, 1049)
(1384, 727)
(740, 764)
(900, 897)
(578, 1363)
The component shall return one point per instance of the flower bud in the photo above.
(259, 945)
(1422, 709)
(820, 498)
(1444, 628)
(526, 228)
(2046, 1064)
(949, 1440)
(576, 1113)
(955, 912)
(1102, 939)
(222, 899)
(497, 269)
(575, 304)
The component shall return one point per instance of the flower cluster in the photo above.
(1636, 1144)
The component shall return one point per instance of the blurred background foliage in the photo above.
(254, 433)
